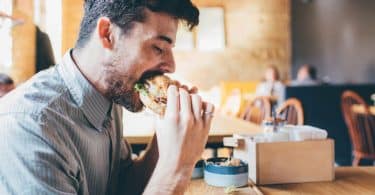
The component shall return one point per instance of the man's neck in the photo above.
(88, 63)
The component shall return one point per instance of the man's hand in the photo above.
(182, 135)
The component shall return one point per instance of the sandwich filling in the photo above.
(153, 92)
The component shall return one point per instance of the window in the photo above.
(208, 36)
(210, 32)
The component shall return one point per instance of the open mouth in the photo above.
(152, 91)
(141, 86)
(148, 75)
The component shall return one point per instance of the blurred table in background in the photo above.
(138, 128)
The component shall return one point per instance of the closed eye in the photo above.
(157, 49)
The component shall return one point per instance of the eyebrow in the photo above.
(165, 38)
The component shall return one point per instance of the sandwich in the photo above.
(153, 92)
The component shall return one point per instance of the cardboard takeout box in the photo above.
(286, 162)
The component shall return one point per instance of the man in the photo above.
(306, 75)
(272, 86)
(59, 133)
(6, 84)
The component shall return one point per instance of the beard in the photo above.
(123, 93)
(120, 87)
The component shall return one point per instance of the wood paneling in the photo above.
(23, 51)
(72, 12)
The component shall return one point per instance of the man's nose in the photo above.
(168, 65)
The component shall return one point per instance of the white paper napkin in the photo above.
(304, 132)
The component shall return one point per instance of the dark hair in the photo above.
(5, 79)
(125, 12)
(311, 70)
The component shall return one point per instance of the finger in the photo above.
(172, 101)
(177, 83)
(185, 102)
(185, 87)
(193, 90)
(197, 106)
(208, 111)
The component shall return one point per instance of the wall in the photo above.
(257, 33)
(337, 36)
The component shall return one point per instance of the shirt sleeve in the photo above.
(30, 162)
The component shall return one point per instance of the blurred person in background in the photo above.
(44, 57)
(306, 75)
(6, 84)
(271, 85)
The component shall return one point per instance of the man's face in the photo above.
(303, 74)
(145, 49)
(270, 75)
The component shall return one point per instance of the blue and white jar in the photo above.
(225, 176)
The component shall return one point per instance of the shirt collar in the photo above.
(94, 105)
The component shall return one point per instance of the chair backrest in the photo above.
(291, 110)
(361, 126)
(257, 110)
(232, 104)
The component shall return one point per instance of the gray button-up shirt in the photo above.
(58, 135)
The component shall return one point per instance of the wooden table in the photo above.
(138, 129)
(361, 109)
(349, 180)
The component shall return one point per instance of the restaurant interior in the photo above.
(296, 67)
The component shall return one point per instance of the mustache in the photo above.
(149, 74)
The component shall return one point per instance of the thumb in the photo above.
(157, 124)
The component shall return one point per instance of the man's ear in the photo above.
(105, 32)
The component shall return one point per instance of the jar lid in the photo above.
(273, 121)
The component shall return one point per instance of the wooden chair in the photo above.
(361, 127)
(257, 110)
(291, 110)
